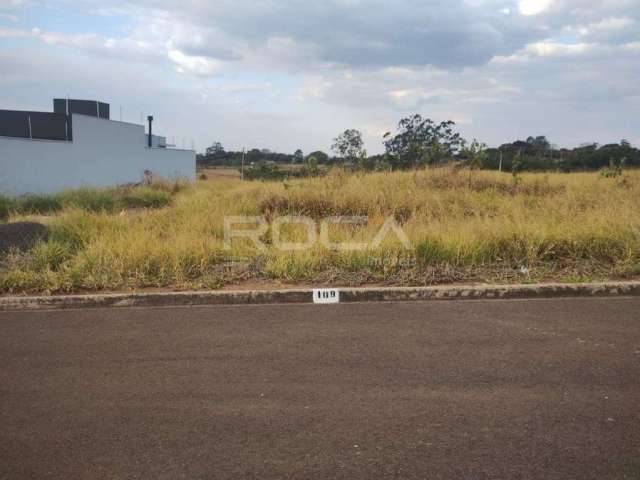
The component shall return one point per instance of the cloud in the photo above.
(534, 7)
(290, 73)
(194, 64)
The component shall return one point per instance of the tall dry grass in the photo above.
(463, 226)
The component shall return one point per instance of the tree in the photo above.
(320, 156)
(298, 156)
(474, 155)
(420, 141)
(349, 145)
(539, 143)
(216, 148)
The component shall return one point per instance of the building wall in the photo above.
(103, 153)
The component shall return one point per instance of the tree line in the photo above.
(420, 142)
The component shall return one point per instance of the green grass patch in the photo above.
(103, 200)
(36, 204)
(145, 197)
(91, 200)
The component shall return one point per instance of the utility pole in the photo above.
(500, 167)
(242, 168)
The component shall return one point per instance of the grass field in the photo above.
(463, 226)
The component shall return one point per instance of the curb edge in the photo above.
(302, 296)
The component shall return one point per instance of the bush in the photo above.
(611, 172)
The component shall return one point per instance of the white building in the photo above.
(79, 146)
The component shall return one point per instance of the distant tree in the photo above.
(312, 165)
(349, 145)
(625, 143)
(539, 143)
(420, 141)
(298, 156)
(474, 154)
(216, 148)
(254, 155)
(320, 156)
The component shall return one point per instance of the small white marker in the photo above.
(326, 295)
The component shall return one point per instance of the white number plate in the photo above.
(326, 295)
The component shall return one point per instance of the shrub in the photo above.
(611, 172)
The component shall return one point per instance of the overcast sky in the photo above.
(288, 74)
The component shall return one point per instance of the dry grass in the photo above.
(218, 173)
(463, 226)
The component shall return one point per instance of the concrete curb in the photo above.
(301, 296)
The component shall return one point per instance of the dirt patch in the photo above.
(21, 236)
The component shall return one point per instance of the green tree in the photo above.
(349, 145)
(474, 155)
(320, 156)
(420, 141)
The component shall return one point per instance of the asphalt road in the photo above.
(542, 389)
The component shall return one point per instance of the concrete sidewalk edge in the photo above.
(347, 295)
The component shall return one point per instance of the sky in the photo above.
(289, 74)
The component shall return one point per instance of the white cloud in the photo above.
(11, 3)
(549, 49)
(632, 47)
(534, 7)
(196, 65)
(556, 49)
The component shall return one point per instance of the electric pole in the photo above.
(242, 168)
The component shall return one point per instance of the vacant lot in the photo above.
(463, 226)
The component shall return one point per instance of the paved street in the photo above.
(537, 389)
